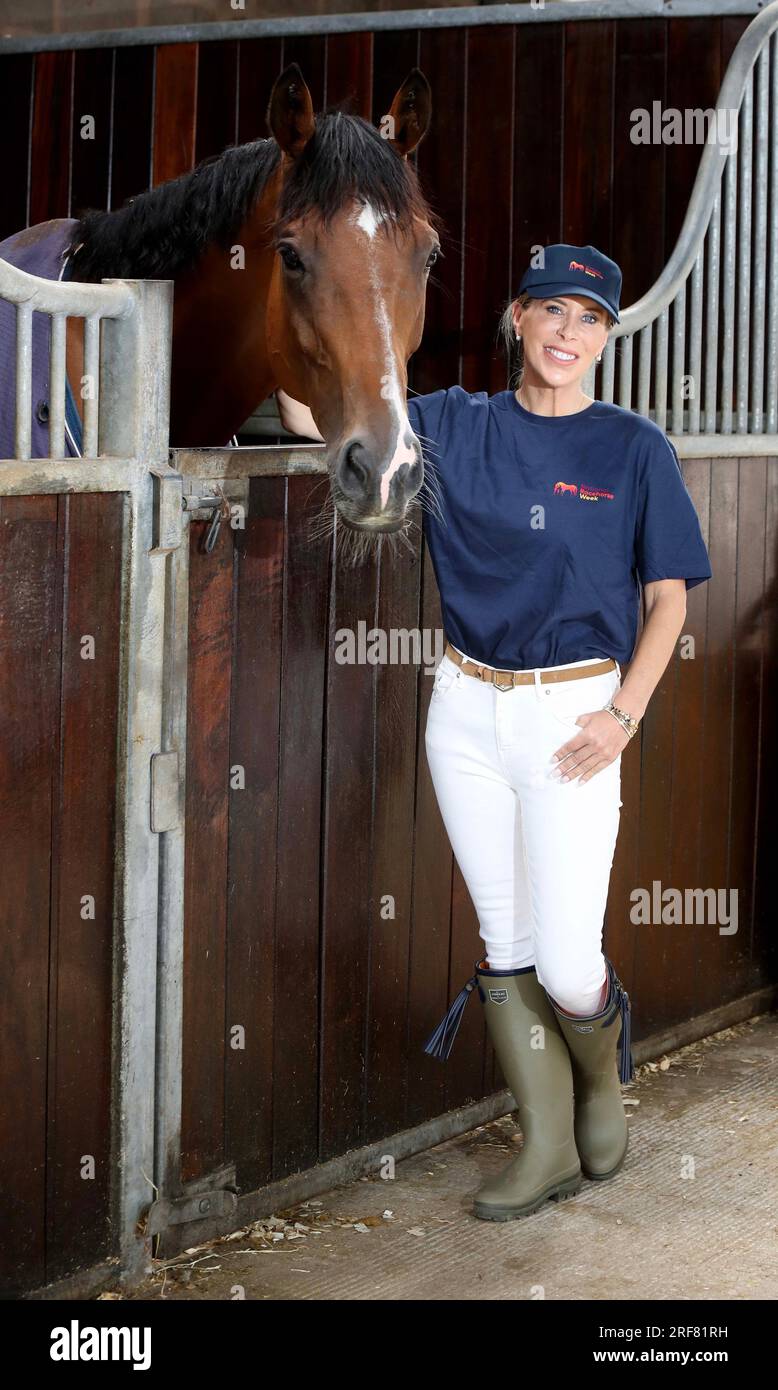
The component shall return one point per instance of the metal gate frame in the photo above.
(128, 349)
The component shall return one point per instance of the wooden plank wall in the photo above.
(59, 588)
(309, 799)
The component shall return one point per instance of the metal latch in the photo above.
(217, 505)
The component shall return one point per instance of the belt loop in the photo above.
(538, 682)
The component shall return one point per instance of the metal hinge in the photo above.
(204, 1199)
(165, 792)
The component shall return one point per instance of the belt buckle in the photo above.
(503, 688)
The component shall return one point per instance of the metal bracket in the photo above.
(213, 1196)
(165, 792)
(167, 529)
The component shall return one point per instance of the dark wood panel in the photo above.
(638, 170)
(752, 537)
(83, 852)
(207, 817)
(588, 124)
(259, 63)
(349, 775)
(537, 142)
(300, 939)
(91, 130)
(30, 607)
(133, 123)
(431, 983)
(349, 73)
(217, 98)
(719, 980)
(388, 925)
(16, 94)
(255, 698)
(51, 137)
(763, 933)
(488, 191)
(175, 110)
(689, 944)
(309, 50)
(440, 166)
(694, 77)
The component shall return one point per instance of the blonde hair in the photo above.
(513, 348)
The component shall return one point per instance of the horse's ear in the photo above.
(409, 115)
(290, 115)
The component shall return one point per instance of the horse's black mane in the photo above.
(164, 231)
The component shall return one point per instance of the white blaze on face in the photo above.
(368, 222)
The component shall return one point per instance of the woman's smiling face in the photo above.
(561, 337)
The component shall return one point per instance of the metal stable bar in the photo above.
(695, 348)
(470, 16)
(39, 477)
(660, 369)
(727, 335)
(679, 358)
(644, 369)
(712, 316)
(758, 266)
(771, 420)
(92, 374)
(134, 421)
(743, 259)
(57, 387)
(23, 428)
(625, 375)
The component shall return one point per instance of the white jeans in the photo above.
(535, 852)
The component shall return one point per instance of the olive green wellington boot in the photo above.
(601, 1130)
(536, 1064)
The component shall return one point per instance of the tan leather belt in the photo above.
(505, 680)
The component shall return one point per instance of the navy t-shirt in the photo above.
(539, 527)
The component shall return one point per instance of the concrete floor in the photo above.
(691, 1215)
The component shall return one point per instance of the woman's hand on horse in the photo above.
(598, 745)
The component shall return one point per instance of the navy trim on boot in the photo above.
(617, 1002)
(440, 1043)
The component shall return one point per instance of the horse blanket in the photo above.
(40, 251)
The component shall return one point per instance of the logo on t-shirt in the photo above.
(584, 493)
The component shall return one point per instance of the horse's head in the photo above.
(354, 241)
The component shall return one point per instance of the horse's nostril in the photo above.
(354, 473)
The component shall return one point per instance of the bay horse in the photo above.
(299, 261)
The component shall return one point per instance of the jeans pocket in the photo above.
(566, 700)
(443, 680)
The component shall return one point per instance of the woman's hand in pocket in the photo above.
(599, 744)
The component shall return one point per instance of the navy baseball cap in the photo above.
(575, 270)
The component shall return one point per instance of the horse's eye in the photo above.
(432, 257)
(290, 258)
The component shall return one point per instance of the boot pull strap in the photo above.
(440, 1043)
(627, 1065)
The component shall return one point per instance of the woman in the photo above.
(552, 506)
